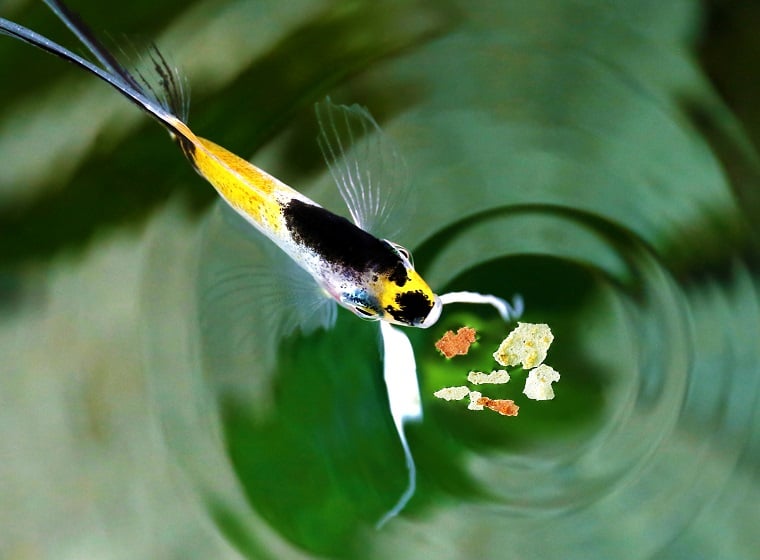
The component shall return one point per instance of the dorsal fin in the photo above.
(158, 81)
(164, 83)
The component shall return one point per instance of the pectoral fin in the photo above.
(251, 296)
(366, 165)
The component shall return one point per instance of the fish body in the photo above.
(372, 277)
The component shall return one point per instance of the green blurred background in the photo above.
(598, 157)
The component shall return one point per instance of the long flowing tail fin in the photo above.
(164, 97)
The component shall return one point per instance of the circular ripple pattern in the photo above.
(675, 363)
(649, 444)
(593, 172)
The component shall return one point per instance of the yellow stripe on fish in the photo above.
(247, 189)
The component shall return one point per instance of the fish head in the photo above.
(394, 292)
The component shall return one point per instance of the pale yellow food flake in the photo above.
(495, 377)
(475, 397)
(538, 385)
(452, 393)
(526, 344)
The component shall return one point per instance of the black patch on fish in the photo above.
(187, 147)
(341, 242)
(413, 307)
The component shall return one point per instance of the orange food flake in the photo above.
(505, 407)
(458, 344)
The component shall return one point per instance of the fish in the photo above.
(333, 260)
(374, 278)
(371, 277)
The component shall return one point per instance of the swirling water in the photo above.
(578, 175)
(569, 151)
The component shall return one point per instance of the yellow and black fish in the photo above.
(372, 277)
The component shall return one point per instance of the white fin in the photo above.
(366, 165)
(400, 374)
(509, 312)
(251, 295)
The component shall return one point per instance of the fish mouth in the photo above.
(434, 315)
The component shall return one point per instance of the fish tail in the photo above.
(164, 98)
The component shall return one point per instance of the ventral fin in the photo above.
(366, 165)
(400, 375)
(251, 296)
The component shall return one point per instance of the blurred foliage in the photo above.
(571, 151)
(284, 80)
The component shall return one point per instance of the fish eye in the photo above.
(403, 251)
(365, 312)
